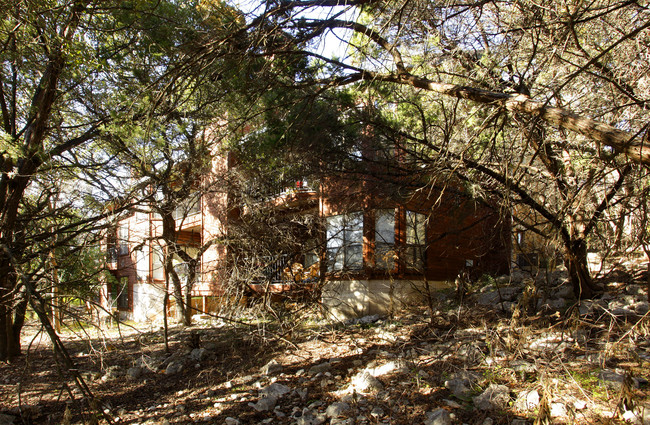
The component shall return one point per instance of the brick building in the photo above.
(371, 250)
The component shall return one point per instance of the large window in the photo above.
(385, 239)
(111, 248)
(142, 263)
(188, 207)
(123, 239)
(415, 240)
(158, 272)
(345, 242)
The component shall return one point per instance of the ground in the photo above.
(558, 368)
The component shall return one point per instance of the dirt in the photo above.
(36, 390)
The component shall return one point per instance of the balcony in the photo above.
(293, 193)
(286, 273)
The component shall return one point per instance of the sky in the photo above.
(332, 45)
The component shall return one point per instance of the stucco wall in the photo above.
(147, 302)
(357, 298)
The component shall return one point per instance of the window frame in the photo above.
(344, 246)
(123, 239)
(415, 240)
(385, 242)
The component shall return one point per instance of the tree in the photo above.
(70, 81)
(503, 92)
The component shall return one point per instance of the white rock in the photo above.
(310, 417)
(641, 308)
(271, 367)
(264, 404)
(275, 390)
(134, 372)
(458, 387)
(399, 366)
(320, 368)
(630, 416)
(336, 409)
(377, 412)
(198, 354)
(364, 382)
(173, 368)
(558, 410)
(527, 400)
(495, 397)
(579, 404)
(438, 417)
(452, 404)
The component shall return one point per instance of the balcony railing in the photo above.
(288, 268)
(297, 186)
(273, 190)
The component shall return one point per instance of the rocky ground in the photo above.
(514, 352)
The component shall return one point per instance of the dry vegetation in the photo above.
(569, 359)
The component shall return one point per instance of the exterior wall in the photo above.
(462, 236)
(216, 213)
(343, 299)
(147, 302)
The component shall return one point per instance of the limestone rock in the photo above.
(558, 410)
(271, 368)
(275, 390)
(495, 397)
(310, 417)
(438, 417)
(399, 366)
(335, 410)
(173, 367)
(134, 372)
(264, 404)
(641, 308)
(527, 401)
(364, 383)
(458, 387)
(112, 372)
(508, 293)
(316, 369)
(198, 354)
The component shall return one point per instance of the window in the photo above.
(385, 239)
(141, 216)
(415, 240)
(345, 242)
(188, 207)
(120, 293)
(123, 239)
(142, 263)
(111, 248)
(158, 271)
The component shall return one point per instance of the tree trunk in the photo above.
(165, 322)
(19, 319)
(191, 278)
(576, 263)
(9, 338)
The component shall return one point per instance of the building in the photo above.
(366, 248)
